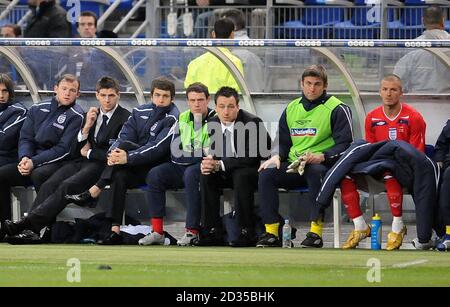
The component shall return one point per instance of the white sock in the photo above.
(397, 224)
(360, 223)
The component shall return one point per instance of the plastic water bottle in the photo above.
(287, 231)
(375, 234)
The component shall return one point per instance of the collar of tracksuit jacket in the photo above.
(309, 105)
(55, 105)
(4, 106)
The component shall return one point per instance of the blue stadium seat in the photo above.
(360, 26)
(316, 22)
(410, 24)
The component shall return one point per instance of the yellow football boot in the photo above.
(355, 237)
(395, 240)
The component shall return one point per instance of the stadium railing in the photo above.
(313, 19)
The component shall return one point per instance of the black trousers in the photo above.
(10, 176)
(72, 178)
(243, 181)
(122, 178)
(7, 160)
(272, 178)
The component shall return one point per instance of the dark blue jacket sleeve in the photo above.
(63, 148)
(156, 149)
(27, 145)
(283, 142)
(10, 129)
(442, 153)
(342, 133)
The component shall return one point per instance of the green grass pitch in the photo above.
(46, 265)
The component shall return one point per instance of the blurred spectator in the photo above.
(208, 69)
(48, 20)
(253, 65)
(87, 25)
(11, 31)
(420, 70)
(202, 19)
(90, 64)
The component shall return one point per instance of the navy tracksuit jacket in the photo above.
(151, 128)
(49, 133)
(12, 117)
(443, 155)
(412, 168)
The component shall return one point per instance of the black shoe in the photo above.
(245, 239)
(83, 199)
(111, 239)
(26, 237)
(214, 237)
(15, 228)
(268, 240)
(312, 240)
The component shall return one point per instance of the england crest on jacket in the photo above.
(152, 129)
(392, 134)
(61, 119)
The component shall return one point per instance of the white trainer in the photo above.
(423, 246)
(152, 238)
(187, 239)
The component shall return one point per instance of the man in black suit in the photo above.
(239, 142)
(101, 126)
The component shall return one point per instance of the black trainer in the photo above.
(268, 240)
(312, 240)
(15, 228)
(213, 237)
(245, 239)
(112, 239)
(25, 238)
(83, 199)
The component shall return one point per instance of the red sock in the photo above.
(394, 195)
(350, 197)
(194, 231)
(157, 223)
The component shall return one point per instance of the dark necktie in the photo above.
(102, 131)
(227, 151)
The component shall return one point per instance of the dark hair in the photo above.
(432, 15)
(197, 87)
(237, 17)
(317, 71)
(107, 34)
(223, 28)
(228, 92)
(16, 29)
(9, 84)
(68, 78)
(164, 84)
(88, 14)
(107, 83)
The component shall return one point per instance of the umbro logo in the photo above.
(303, 122)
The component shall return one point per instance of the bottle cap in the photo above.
(286, 221)
(376, 217)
